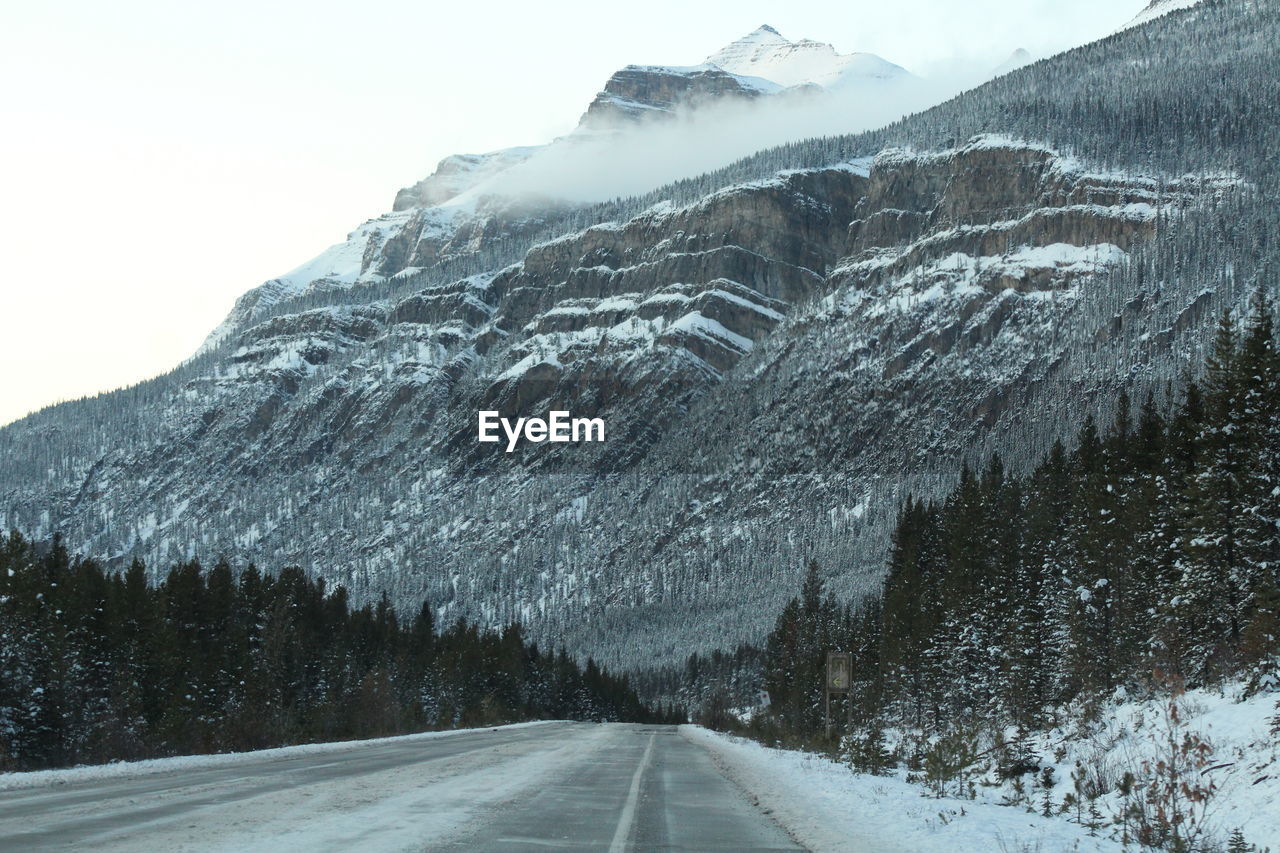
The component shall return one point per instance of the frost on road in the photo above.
(554, 786)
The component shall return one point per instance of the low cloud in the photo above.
(633, 159)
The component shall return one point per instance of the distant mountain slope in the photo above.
(766, 53)
(449, 218)
(1016, 60)
(782, 349)
(458, 173)
(644, 92)
(1157, 8)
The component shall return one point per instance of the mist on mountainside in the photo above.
(631, 158)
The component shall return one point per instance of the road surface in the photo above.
(558, 786)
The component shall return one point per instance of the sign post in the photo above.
(839, 679)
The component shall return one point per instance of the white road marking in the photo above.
(623, 832)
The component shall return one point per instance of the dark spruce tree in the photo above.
(1145, 557)
(98, 666)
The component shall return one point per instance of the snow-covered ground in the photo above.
(1243, 764)
(826, 806)
(1159, 8)
(766, 53)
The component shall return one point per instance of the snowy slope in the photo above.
(341, 263)
(332, 431)
(340, 266)
(1159, 8)
(458, 173)
(828, 807)
(766, 53)
(446, 202)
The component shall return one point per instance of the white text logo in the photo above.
(557, 427)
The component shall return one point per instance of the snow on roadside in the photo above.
(1245, 755)
(825, 807)
(180, 763)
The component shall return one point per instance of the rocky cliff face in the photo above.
(643, 92)
(782, 351)
(777, 363)
(760, 65)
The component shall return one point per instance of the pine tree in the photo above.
(795, 654)
(1096, 553)
(1211, 596)
(100, 666)
(910, 607)
(1259, 547)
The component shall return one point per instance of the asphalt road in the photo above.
(563, 786)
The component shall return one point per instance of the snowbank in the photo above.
(1244, 762)
(825, 807)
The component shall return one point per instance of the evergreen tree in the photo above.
(1211, 595)
(100, 666)
(1144, 554)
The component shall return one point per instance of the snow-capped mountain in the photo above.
(1158, 8)
(441, 217)
(783, 349)
(766, 53)
(458, 173)
(644, 92)
(761, 63)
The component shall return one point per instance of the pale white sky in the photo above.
(159, 159)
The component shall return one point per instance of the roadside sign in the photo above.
(839, 672)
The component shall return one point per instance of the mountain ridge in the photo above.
(1159, 8)
(786, 348)
(437, 217)
(765, 53)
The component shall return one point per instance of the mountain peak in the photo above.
(766, 53)
(1016, 60)
(762, 36)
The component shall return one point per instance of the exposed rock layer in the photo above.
(776, 364)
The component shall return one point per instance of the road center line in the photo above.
(623, 832)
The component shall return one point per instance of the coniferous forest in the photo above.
(1146, 558)
(98, 666)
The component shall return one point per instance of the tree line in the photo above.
(97, 665)
(1147, 556)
